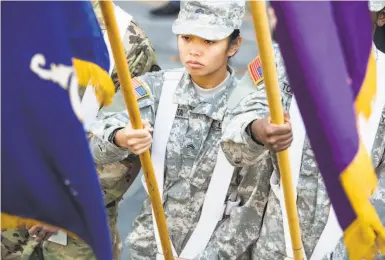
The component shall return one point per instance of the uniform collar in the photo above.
(213, 107)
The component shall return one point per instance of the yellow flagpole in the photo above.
(262, 31)
(133, 110)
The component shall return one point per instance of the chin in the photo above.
(196, 72)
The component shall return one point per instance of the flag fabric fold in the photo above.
(90, 54)
(48, 174)
(326, 48)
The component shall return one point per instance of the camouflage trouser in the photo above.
(78, 250)
(16, 244)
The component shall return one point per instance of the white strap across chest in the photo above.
(332, 232)
(90, 105)
(213, 207)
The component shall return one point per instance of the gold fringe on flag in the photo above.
(10, 221)
(365, 236)
(368, 89)
(90, 74)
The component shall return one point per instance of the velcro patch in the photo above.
(255, 70)
(141, 89)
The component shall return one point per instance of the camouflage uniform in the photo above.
(191, 154)
(140, 53)
(312, 200)
(190, 161)
(16, 244)
(115, 178)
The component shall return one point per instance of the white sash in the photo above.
(213, 207)
(295, 155)
(90, 105)
(368, 129)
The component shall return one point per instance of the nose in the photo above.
(195, 50)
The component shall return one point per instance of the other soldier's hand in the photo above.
(42, 232)
(137, 140)
(276, 138)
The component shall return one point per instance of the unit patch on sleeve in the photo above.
(255, 70)
(141, 89)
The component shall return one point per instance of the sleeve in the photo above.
(247, 103)
(140, 53)
(101, 132)
(236, 142)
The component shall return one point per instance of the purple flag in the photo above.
(326, 47)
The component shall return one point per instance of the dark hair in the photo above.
(233, 38)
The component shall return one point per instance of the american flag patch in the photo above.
(141, 89)
(255, 69)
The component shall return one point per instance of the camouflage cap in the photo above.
(209, 19)
(376, 5)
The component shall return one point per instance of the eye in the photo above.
(185, 37)
(209, 42)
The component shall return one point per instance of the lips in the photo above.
(194, 64)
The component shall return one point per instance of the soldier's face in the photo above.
(203, 57)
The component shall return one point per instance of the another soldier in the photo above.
(115, 178)
(186, 108)
(312, 200)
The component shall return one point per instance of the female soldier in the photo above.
(186, 108)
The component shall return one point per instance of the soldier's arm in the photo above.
(102, 132)
(246, 104)
(140, 53)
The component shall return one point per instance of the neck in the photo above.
(211, 80)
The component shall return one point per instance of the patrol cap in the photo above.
(376, 5)
(209, 19)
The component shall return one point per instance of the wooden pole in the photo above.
(109, 18)
(262, 31)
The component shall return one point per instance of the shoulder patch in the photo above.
(141, 89)
(255, 70)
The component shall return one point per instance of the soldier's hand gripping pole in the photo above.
(262, 31)
(133, 110)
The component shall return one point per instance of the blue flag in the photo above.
(48, 173)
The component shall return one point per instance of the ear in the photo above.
(381, 19)
(234, 48)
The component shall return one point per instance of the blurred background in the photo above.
(156, 18)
